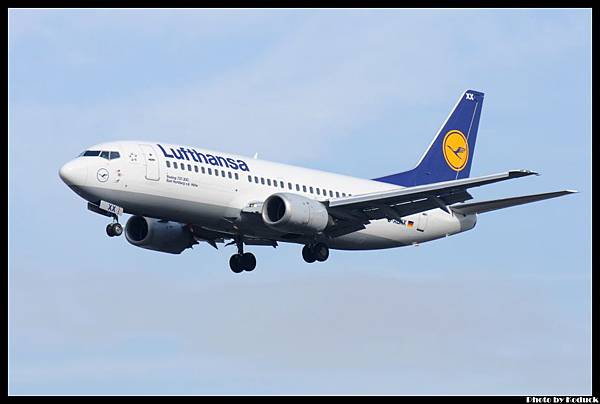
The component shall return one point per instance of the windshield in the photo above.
(109, 155)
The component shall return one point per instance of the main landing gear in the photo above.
(315, 252)
(242, 261)
(114, 229)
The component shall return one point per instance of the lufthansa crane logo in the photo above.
(456, 150)
(102, 175)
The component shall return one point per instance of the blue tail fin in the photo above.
(450, 154)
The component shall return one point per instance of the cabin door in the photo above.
(152, 172)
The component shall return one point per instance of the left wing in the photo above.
(397, 203)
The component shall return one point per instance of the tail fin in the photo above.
(450, 154)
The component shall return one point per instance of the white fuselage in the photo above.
(179, 184)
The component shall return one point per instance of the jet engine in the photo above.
(158, 235)
(291, 213)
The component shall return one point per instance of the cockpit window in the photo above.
(109, 155)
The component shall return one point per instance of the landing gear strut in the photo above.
(242, 261)
(315, 252)
(114, 229)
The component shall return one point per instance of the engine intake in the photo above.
(291, 213)
(153, 234)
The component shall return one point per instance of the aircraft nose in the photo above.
(73, 173)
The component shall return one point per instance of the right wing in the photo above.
(401, 202)
(352, 213)
(488, 206)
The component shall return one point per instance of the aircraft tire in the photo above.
(308, 255)
(248, 262)
(235, 263)
(320, 252)
(117, 229)
(109, 230)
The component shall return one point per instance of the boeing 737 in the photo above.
(179, 196)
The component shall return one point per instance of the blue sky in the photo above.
(502, 309)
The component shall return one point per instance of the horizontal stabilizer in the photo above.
(487, 206)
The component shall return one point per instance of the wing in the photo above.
(488, 206)
(358, 210)
(212, 237)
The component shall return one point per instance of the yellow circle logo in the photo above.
(456, 150)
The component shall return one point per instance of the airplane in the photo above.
(179, 196)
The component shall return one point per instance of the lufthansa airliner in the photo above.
(180, 195)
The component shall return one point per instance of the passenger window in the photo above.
(182, 166)
(343, 194)
(274, 183)
(174, 164)
(223, 173)
(249, 178)
(304, 188)
(282, 184)
(189, 167)
(196, 168)
(311, 189)
(297, 187)
(337, 194)
(256, 179)
(229, 174)
(289, 185)
(262, 180)
(331, 193)
(202, 169)
(318, 193)
(114, 155)
(104, 155)
(168, 164)
(268, 181)
(236, 176)
(217, 173)
(209, 171)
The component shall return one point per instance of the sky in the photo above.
(501, 309)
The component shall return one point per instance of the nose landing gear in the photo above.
(114, 229)
(315, 252)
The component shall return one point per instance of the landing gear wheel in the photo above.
(117, 229)
(235, 263)
(110, 231)
(320, 252)
(114, 229)
(308, 254)
(248, 262)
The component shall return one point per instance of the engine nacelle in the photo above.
(291, 213)
(169, 237)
